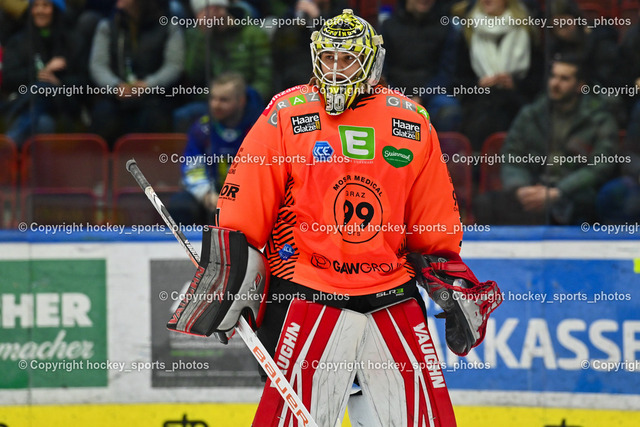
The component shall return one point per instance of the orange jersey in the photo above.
(339, 200)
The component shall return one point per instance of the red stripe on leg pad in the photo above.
(407, 341)
(312, 336)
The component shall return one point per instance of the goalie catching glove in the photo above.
(231, 281)
(466, 302)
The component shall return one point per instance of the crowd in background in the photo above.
(125, 66)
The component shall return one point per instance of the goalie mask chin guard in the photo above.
(231, 281)
(347, 57)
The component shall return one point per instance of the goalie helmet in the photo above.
(347, 57)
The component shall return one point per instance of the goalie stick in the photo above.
(244, 330)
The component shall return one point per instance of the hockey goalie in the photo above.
(335, 213)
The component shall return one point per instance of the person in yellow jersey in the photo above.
(337, 183)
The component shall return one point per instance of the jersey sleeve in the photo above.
(254, 188)
(432, 214)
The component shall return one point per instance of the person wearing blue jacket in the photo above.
(212, 143)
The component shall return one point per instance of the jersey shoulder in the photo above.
(399, 104)
(297, 98)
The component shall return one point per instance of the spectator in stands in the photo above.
(212, 142)
(377, 12)
(500, 64)
(41, 57)
(84, 19)
(141, 59)
(13, 18)
(217, 46)
(548, 170)
(619, 200)
(179, 8)
(596, 45)
(421, 58)
(290, 44)
(103, 7)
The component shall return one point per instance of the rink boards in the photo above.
(235, 415)
(93, 306)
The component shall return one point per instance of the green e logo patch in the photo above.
(358, 142)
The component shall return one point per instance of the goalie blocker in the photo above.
(467, 303)
(231, 280)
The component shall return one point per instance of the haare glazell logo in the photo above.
(305, 123)
(405, 129)
(397, 157)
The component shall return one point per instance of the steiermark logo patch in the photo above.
(358, 142)
(397, 158)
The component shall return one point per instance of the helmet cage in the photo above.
(326, 66)
(341, 78)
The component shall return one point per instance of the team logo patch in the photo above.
(229, 191)
(358, 143)
(397, 158)
(286, 252)
(322, 151)
(305, 123)
(406, 129)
